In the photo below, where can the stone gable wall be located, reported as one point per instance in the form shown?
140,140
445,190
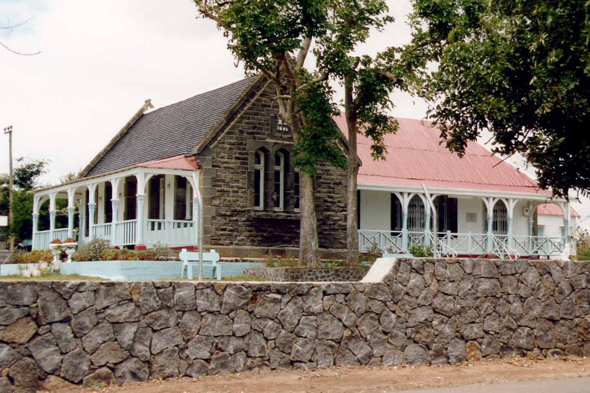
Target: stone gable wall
424,312
230,220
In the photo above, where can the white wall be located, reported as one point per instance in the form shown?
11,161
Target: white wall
472,205
553,224
375,210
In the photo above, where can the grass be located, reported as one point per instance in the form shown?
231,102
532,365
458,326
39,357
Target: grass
52,277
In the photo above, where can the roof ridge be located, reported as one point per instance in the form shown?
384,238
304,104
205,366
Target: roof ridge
201,94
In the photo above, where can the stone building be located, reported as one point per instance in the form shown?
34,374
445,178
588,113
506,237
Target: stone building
229,146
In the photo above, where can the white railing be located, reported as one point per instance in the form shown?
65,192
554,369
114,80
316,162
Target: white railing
449,244
102,231
42,240
61,234
388,241
126,233
169,232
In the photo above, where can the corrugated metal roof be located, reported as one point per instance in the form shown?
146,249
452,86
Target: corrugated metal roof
552,209
415,156
171,130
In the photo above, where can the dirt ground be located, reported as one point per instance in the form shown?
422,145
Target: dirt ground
364,380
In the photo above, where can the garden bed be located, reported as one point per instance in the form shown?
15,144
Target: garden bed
303,274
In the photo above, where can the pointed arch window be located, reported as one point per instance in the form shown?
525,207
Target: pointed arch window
278,195
259,180
500,223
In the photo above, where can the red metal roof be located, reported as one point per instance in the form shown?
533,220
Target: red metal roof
176,162
552,209
415,156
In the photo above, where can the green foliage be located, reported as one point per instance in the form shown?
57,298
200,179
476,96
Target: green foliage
582,239
91,251
519,68
34,256
26,176
420,250
100,250
319,135
369,257
283,260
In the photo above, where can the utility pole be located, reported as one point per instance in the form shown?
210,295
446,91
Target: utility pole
8,130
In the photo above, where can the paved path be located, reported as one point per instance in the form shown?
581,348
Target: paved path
574,385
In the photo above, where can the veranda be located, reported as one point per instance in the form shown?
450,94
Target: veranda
145,205
457,224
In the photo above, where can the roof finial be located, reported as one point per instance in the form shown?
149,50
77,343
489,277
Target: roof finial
148,104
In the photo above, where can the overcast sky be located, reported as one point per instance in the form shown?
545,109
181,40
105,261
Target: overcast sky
100,60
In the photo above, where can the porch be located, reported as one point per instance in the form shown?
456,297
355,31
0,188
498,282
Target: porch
458,224
153,203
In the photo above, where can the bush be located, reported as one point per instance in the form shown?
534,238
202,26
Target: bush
279,261
582,239
420,250
34,256
91,251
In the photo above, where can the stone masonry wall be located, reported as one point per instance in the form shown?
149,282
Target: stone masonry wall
424,312
289,274
231,223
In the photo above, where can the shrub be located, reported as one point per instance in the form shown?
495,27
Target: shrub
582,239
420,250
163,253
34,256
273,260
91,251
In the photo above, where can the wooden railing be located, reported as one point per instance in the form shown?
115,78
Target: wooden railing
169,232
125,233
447,244
102,231
42,240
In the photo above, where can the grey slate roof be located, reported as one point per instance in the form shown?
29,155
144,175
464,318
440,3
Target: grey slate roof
171,130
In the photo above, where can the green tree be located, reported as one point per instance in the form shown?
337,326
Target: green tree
518,68
274,38
26,175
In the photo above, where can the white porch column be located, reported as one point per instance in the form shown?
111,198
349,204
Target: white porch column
530,219
115,213
91,209
565,207
36,206
510,203
490,203
82,218
405,200
71,211
52,213
194,181
140,198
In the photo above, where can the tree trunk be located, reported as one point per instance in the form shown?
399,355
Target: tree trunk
352,251
352,255
308,241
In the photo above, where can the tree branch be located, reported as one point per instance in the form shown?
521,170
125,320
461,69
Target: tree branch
324,76
301,56
18,53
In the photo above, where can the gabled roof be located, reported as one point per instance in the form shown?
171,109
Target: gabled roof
552,209
169,131
415,156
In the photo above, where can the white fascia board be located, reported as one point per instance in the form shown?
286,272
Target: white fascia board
460,192
109,177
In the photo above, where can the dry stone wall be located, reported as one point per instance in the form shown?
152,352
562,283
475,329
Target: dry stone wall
424,312
299,274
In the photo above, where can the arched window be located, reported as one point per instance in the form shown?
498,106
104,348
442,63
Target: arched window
416,215
259,181
500,223
278,195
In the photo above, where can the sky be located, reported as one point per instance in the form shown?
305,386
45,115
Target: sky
100,60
